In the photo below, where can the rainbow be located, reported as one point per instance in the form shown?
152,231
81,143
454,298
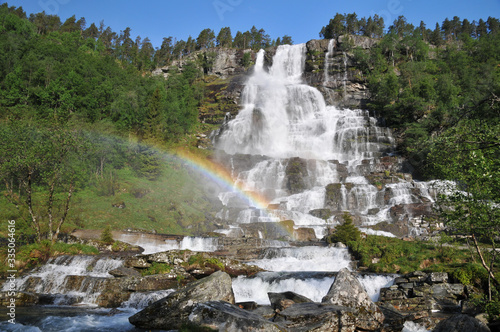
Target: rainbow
220,175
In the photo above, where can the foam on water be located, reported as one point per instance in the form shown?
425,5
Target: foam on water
304,259
311,286
153,245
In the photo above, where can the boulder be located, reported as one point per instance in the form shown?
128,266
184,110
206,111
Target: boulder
317,317
347,291
224,316
124,272
281,301
461,323
171,312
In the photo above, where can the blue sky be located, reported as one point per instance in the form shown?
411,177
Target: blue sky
300,19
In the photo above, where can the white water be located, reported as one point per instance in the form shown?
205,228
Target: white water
331,46
153,245
70,320
304,259
140,300
52,278
309,285
281,118
413,327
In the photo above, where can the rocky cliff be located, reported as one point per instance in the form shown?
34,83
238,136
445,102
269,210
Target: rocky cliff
331,67
226,70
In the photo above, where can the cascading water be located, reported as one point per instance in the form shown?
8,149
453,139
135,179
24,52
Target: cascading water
307,149
71,279
152,244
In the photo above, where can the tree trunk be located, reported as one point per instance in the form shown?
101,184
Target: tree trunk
29,202
483,262
49,208
65,214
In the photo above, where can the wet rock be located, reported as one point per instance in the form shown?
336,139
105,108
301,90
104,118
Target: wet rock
224,316
295,172
304,234
170,312
281,301
333,196
317,317
22,299
124,272
347,291
461,323
321,213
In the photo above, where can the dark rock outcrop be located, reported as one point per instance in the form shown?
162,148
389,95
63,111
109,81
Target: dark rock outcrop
124,272
419,291
224,316
347,291
461,323
317,317
281,301
170,312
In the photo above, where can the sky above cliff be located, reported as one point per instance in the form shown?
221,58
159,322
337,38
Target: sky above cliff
302,20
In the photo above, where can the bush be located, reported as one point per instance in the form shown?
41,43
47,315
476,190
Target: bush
346,232
157,268
106,236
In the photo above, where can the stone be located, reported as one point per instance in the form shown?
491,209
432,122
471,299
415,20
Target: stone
281,301
22,299
171,312
461,323
295,172
347,291
317,317
304,234
124,272
224,316
137,262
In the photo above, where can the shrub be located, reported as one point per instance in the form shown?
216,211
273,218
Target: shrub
157,268
346,232
106,236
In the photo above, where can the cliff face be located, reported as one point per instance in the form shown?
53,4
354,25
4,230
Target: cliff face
221,62
331,67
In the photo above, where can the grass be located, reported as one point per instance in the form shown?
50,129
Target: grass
32,255
176,203
391,255
170,204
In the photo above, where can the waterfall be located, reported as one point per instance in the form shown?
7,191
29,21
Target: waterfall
70,278
311,285
331,46
153,244
304,259
283,119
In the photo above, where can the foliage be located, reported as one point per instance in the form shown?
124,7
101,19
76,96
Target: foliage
346,232
202,261
157,268
32,255
471,274
392,255
106,236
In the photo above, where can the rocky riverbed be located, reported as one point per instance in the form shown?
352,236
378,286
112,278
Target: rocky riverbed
204,289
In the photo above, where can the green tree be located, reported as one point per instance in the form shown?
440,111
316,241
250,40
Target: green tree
335,28
224,38
43,164
468,155
205,39
345,232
